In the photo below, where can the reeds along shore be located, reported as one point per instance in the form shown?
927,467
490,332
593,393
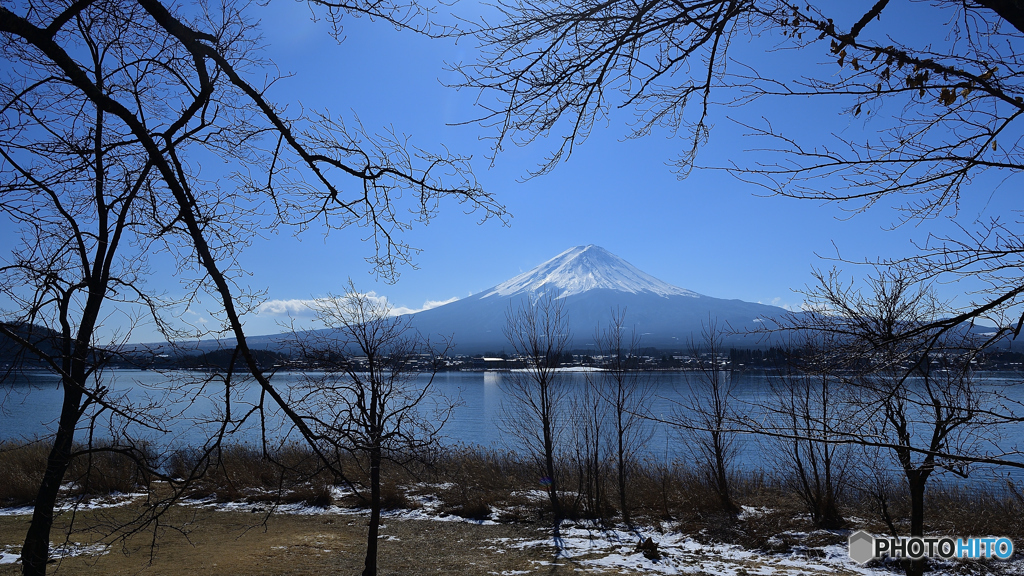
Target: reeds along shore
488,484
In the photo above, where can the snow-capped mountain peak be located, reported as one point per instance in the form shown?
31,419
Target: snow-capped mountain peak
584,268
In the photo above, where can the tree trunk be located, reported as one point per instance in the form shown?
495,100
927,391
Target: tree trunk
917,484
549,465
35,551
622,479
372,533
722,476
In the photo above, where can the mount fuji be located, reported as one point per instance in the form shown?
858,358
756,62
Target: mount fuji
592,281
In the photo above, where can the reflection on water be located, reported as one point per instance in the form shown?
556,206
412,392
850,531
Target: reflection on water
185,408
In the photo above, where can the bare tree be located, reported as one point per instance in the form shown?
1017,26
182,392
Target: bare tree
627,391
808,406
107,106
707,416
909,389
371,400
936,106
536,396
590,436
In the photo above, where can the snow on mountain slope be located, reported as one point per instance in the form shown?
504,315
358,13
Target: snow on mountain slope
584,268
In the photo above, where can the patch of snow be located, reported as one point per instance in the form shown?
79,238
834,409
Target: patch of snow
65,505
435,486
72,549
428,511
432,515
614,550
752,512
12,554
530,494
16,511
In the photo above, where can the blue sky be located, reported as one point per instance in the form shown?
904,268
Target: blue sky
710,233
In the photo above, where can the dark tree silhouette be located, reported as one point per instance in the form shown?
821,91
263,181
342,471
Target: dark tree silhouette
109,109
708,413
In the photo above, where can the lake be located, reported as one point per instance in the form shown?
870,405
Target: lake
184,408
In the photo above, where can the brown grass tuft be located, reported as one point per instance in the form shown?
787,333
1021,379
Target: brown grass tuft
21,471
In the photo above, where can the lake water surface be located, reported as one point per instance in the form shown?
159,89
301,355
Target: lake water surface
186,410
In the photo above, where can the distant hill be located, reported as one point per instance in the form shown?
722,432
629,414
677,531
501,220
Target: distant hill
592,281
44,339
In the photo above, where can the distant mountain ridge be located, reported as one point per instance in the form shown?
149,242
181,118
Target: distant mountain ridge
592,281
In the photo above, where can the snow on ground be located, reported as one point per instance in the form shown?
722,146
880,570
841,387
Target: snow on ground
611,550
564,369
680,554
11,554
68,504
592,547
428,509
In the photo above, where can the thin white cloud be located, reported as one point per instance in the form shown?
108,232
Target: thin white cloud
435,303
286,308
197,317
777,301
303,308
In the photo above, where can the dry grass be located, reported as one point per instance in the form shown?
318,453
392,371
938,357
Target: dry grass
470,483
21,471
246,473
104,472
97,472
479,482
954,510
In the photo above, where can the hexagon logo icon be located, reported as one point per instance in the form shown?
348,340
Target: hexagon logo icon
862,547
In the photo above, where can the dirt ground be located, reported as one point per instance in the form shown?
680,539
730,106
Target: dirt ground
239,543
242,540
